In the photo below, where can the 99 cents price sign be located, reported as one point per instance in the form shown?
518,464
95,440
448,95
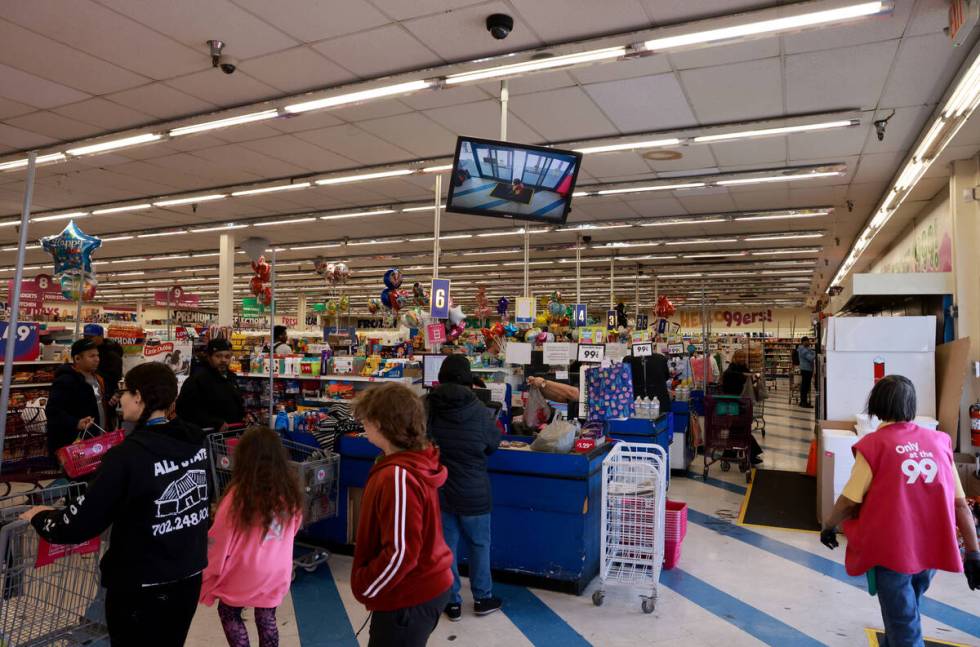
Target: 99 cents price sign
440,299
591,353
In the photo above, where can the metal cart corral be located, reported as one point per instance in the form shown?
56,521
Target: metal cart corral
49,594
634,486
318,473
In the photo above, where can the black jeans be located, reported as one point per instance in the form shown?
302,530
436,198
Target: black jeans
408,627
806,378
155,615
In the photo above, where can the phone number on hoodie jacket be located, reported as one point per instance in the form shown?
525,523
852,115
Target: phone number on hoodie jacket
179,523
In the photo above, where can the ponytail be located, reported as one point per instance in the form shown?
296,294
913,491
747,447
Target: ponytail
157,386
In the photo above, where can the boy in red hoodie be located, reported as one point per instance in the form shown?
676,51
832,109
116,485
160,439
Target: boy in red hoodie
402,569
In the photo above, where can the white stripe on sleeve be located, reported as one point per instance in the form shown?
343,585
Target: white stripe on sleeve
399,534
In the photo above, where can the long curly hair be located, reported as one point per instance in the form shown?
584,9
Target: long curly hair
264,485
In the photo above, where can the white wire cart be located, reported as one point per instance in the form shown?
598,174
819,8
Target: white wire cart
49,594
318,476
634,494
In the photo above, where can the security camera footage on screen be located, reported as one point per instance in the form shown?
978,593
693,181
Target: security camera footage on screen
506,180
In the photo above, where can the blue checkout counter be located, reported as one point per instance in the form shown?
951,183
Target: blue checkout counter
546,511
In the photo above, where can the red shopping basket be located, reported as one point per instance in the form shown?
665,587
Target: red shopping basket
675,527
83,457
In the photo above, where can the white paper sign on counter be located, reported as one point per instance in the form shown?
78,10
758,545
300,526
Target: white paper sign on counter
518,353
558,353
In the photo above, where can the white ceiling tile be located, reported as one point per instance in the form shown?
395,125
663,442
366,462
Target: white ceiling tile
54,125
161,101
445,97
608,165
222,89
20,139
726,93
401,10
580,118
461,34
877,168
245,133
929,17
10,108
35,91
238,157
841,142
693,157
356,144
191,143
482,119
850,77
370,110
643,104
562,20
217,174
83,24
717,202
614,71
105,114
415,133
313,20
302,153
900,133
767,150
801,196
539,82
372,53
749,198
666,12
924,68
866,30
654,207
296,70
726,54
305,121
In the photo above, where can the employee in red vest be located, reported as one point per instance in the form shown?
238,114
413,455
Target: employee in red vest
901,509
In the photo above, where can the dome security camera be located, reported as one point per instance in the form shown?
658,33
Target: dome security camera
228,64
500,25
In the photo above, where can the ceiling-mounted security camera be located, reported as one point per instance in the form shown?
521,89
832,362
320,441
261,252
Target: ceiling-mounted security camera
228,64
881,125
500,25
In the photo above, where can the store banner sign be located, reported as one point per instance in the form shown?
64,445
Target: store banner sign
27,341
581,315
525,312
642,322
36,291
251,307
439,299
435,334
611,320
176,298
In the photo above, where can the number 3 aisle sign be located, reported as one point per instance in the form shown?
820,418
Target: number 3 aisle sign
440,299
26,342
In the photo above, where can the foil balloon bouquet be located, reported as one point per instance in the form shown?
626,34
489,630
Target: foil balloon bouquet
71,251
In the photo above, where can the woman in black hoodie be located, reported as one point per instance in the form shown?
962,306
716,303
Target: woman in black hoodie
152,489
466,433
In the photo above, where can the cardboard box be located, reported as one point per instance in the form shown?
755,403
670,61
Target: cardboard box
835,438
966,466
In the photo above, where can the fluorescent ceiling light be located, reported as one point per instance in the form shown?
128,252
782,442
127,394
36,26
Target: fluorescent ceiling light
438,169
663,187
786,272
786,216
223,123
781,130
775,252
657,143
760,27
272,189
714,254
357,214
364,176
363,95
128,207
290,221
450,237
324,246
200,230
376,242
162,233
701,241
536,65
40,159
192,200
516,232
429,208
114,144
112,238
777,178
965,95
9,223
662,222
589,227
750,239
61,216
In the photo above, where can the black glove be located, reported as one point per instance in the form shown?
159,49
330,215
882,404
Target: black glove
828,537
971,567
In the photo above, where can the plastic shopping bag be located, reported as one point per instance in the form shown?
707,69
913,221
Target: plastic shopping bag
537,412
557,438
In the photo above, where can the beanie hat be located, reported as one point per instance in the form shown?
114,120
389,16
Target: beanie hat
455,369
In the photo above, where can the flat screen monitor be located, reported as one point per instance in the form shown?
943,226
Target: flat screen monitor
430,368
505,180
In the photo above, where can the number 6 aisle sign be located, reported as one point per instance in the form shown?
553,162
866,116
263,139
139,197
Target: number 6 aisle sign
27,344
440,299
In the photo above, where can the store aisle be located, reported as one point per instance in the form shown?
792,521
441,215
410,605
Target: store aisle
734,586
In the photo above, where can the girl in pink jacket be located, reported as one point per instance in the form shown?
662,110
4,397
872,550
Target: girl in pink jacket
250,546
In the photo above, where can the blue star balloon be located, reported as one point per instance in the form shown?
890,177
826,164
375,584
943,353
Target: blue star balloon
71,249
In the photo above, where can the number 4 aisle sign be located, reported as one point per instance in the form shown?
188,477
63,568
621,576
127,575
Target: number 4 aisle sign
27,345
581,315
440,299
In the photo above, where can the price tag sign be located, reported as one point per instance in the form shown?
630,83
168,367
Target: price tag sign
435,334
343,365
644,349
439,308
591,353
581,315
27,341
675,349
525,312
611,319
642,322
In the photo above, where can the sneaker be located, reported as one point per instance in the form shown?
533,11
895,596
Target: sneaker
454,611
487,605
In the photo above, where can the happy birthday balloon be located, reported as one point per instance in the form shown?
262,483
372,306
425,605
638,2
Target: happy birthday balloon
71,249
75,287
393,278
341,272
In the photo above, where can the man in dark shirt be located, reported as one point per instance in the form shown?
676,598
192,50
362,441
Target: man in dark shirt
110,357
77,399
210,398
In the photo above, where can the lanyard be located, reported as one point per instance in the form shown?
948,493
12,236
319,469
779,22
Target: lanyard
156,421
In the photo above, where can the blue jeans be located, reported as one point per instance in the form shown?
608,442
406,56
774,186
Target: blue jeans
476,531
899,595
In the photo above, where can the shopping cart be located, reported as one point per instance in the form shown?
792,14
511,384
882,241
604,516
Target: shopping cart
318,476
49,594
728,433
25,450
634,485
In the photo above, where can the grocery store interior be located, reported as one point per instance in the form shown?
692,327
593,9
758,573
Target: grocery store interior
571,189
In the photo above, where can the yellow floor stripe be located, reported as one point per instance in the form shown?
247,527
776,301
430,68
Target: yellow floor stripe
873,640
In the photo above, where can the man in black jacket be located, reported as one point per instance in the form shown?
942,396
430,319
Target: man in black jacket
210,398
110,356
466,433
77,398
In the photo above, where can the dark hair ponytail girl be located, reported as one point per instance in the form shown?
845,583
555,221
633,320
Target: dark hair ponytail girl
157,386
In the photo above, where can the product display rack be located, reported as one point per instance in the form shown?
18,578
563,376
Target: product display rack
779,357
